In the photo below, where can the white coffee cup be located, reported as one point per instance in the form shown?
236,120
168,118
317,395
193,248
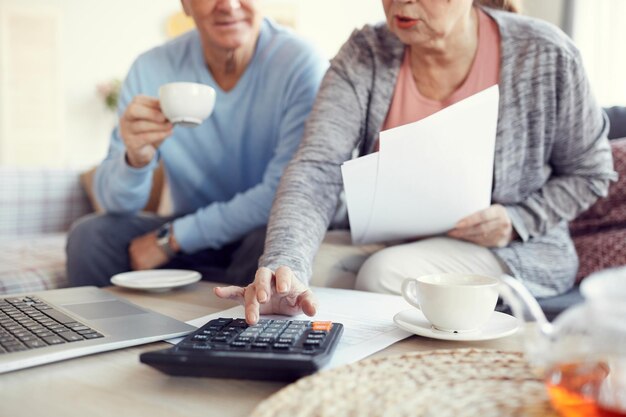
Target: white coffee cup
186,104
453,302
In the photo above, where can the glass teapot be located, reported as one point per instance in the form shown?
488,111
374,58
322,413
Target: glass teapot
582,354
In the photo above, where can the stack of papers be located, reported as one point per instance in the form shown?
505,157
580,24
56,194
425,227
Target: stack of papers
427,175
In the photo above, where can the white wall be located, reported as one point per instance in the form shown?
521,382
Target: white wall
550,10
99,39
330,22
600,34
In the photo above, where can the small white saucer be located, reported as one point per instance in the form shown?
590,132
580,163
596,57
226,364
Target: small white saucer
499,325
156,280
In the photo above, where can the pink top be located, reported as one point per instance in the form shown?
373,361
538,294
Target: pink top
409,105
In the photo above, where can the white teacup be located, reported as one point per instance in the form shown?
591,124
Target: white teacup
453,302
186,104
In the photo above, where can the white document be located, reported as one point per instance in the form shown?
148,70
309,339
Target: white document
428,175
367,319
359,181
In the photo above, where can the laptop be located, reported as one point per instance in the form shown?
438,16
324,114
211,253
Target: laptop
54,325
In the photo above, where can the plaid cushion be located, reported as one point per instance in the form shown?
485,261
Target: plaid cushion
32,263
598,251
40,200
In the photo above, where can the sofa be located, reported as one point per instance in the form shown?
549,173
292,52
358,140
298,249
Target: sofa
37,208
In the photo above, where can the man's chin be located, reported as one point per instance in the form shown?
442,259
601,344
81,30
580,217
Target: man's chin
235,40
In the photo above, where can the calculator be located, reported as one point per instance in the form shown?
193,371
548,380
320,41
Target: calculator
278,350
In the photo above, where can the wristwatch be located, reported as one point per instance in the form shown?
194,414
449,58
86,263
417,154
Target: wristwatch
164,235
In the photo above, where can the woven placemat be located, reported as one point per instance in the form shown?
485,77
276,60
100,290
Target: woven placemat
460,382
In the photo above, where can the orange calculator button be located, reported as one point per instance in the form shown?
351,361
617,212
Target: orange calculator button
322,325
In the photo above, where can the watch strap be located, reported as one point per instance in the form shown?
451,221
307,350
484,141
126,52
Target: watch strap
164,235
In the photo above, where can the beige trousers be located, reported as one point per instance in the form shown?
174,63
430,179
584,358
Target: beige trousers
380,268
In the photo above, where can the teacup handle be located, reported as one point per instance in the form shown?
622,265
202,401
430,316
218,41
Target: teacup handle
409,292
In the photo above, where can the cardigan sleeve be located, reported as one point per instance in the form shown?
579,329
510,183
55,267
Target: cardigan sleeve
308,194
580,158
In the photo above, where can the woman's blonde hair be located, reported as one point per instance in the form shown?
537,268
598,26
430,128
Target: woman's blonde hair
506,5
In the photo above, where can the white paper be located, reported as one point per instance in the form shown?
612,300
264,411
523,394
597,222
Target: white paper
367,319
359,181
429,174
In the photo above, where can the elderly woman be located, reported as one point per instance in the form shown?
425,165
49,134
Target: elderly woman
552,158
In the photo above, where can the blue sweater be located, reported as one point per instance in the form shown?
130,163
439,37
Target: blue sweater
224,173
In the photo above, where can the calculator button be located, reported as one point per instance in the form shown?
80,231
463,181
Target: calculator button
322,325
238,345
288,340
265,339
292,331
202,347
239,323
281,346
195,346
311,342
260,345
244,339
316,336
254,329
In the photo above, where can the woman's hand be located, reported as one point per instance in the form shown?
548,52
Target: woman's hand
490,228
272,293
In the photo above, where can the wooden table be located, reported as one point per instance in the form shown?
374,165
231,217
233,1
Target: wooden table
117,384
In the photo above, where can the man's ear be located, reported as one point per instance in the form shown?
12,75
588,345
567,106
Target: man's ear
186,8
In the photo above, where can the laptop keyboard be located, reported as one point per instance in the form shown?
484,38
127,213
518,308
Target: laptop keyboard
30,323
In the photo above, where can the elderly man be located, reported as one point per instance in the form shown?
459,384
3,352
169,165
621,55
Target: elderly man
222,174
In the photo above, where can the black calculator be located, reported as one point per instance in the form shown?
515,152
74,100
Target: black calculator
279,350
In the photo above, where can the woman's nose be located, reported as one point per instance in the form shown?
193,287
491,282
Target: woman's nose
230,4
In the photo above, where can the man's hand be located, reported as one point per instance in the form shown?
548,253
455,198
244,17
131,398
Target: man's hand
144,253
143,128
490,228
272,293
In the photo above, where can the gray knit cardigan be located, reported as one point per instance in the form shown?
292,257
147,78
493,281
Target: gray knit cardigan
552,157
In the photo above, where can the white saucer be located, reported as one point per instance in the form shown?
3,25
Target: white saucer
499,325
157,280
